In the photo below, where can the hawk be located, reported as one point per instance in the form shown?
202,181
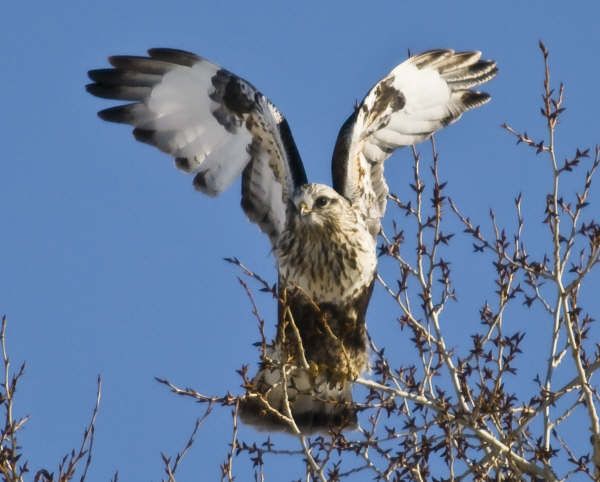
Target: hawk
218,126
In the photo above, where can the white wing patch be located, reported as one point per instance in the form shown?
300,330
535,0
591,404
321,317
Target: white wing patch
181,113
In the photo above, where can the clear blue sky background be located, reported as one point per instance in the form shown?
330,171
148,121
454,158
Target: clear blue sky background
110,263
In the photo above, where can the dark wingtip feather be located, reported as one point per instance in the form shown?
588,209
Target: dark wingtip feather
175,56
98,90
183,163
471,99
119,60
144,135
122,114
486,69
119,77
201,184
98,75
118,92
430,57
461,70
471,75
459,60
140,64
93,74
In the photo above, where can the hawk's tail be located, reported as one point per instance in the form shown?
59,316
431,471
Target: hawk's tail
315,405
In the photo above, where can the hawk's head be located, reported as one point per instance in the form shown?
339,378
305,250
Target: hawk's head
319,205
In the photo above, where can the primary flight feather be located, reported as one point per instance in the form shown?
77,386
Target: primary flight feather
218,126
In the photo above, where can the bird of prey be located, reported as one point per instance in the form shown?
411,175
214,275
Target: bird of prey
218,126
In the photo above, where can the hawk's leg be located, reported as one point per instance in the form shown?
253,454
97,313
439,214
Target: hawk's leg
329,339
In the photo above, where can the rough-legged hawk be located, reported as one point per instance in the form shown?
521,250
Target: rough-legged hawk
218,126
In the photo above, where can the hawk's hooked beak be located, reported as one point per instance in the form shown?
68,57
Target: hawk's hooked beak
303,208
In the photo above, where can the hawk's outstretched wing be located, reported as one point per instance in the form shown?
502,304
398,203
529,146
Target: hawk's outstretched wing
214,123
418,97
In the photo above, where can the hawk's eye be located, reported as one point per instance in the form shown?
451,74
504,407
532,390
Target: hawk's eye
321,201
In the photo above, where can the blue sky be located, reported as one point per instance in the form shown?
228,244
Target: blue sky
112,264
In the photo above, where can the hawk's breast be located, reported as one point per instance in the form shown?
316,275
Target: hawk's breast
332,262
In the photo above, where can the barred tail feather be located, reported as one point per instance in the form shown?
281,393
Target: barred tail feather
316,406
